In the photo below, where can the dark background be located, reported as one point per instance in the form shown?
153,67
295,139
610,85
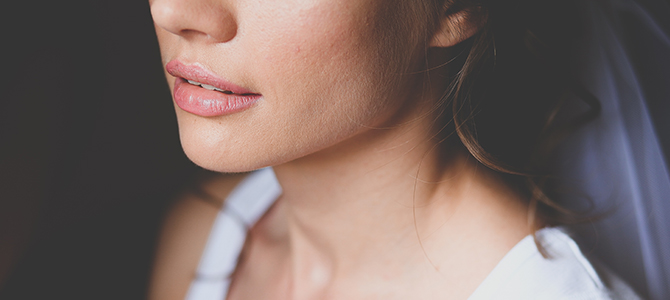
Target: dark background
89,151
90,155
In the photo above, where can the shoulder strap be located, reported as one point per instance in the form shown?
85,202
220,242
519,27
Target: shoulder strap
242,209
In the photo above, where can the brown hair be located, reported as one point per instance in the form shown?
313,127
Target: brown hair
505,102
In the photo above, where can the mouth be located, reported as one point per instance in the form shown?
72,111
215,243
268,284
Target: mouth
197,75
213,88
204,93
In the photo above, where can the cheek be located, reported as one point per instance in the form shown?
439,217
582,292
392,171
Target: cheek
323,64
324,76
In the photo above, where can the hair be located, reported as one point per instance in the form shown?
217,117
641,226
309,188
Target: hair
506,99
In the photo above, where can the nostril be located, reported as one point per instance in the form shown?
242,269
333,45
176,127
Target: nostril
224,29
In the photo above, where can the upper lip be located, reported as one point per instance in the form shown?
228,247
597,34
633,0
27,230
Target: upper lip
197,72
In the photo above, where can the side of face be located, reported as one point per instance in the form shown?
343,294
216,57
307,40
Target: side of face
327,71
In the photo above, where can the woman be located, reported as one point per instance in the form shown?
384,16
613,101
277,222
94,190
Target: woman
408,138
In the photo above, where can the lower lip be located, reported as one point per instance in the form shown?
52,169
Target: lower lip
206,103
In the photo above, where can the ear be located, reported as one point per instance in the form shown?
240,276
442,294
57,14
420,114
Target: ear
455,27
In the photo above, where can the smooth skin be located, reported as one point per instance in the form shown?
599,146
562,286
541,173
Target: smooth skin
372,208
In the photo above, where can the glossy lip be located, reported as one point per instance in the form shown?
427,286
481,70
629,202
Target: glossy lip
203,102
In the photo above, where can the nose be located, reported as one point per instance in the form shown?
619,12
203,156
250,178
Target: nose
211,20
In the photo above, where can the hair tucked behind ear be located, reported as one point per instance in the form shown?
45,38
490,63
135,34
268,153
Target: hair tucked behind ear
507,97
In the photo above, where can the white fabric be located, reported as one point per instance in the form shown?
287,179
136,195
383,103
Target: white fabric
524,274
249,200
616,161
243,207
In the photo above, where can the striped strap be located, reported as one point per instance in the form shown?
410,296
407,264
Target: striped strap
243,207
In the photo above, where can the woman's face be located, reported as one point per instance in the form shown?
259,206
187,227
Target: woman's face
306,74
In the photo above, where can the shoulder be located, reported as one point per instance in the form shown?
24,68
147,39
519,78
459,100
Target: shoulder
524,273
184,234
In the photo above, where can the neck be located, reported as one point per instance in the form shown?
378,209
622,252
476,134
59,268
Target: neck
386,202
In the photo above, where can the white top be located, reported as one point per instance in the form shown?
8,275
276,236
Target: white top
566,274
522,274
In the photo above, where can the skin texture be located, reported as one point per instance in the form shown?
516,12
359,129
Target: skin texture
372,208
322,67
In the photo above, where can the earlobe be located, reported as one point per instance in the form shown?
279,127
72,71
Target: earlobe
458,27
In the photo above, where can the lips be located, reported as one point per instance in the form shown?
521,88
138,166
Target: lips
201,92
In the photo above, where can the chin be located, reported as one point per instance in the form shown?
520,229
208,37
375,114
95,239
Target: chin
230,155
212,155
233,164
224,160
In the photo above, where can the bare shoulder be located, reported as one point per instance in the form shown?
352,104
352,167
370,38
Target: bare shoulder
184,234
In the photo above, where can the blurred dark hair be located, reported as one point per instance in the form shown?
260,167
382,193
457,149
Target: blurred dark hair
506,101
